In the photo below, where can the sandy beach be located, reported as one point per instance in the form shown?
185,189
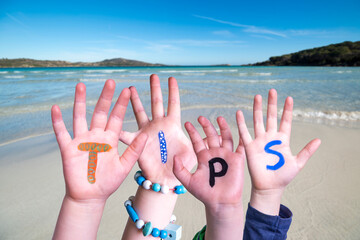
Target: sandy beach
324,198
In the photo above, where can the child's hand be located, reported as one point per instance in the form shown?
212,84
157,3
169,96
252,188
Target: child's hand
94,171
151,160
271,164
218,179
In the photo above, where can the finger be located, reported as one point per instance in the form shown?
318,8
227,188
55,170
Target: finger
286,119
133,152
118,113
196,140
174,99
181,172
244,134
210,132
271,120
79,111
258,116
206,141
62,135
305,154
102,107
139,111
157,108
127,137
240,148
226,136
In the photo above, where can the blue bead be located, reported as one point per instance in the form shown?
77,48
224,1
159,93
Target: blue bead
163,234
140,180
155,232
132,214
156,187
180,189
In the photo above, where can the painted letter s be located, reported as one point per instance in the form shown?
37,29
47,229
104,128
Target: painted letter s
281,161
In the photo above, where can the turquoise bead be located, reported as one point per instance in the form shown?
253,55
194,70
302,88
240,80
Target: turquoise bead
163,234
156,187
155,232
140,180
147,229
180,189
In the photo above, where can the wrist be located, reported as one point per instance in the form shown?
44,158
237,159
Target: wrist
162,179
223,212
224,218
79,219
154,206
266,201
85,204
150,206
149,185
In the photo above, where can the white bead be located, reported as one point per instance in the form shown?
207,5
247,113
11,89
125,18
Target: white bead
137,174
139,224
147,184
164,189
132,198
173,218
127,202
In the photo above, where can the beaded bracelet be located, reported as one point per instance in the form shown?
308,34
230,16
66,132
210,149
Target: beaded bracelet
147,184
147,228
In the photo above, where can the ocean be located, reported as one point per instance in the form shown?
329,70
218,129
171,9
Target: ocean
322,95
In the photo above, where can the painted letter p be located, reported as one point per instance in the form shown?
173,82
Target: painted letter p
213,174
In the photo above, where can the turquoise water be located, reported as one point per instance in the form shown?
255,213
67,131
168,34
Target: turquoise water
323,95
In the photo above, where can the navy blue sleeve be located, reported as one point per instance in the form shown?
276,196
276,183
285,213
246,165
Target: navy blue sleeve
266,227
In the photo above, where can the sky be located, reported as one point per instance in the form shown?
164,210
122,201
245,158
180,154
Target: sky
173,32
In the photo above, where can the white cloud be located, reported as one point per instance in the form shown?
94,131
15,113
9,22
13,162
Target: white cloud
262,36
223,33
17,20
204,43
160,47
247,28
306,32
151,45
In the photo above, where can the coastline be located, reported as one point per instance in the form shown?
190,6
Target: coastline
323,197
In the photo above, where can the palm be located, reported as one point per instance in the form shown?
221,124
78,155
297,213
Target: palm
198,183
76,167
110,169
177,143
233,178
258,159
262,178
150,160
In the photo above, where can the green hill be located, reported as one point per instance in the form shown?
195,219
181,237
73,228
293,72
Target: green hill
31,63
341,54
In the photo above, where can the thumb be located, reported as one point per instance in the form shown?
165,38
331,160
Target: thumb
305,154
182,174
127,137
133,152
62,135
